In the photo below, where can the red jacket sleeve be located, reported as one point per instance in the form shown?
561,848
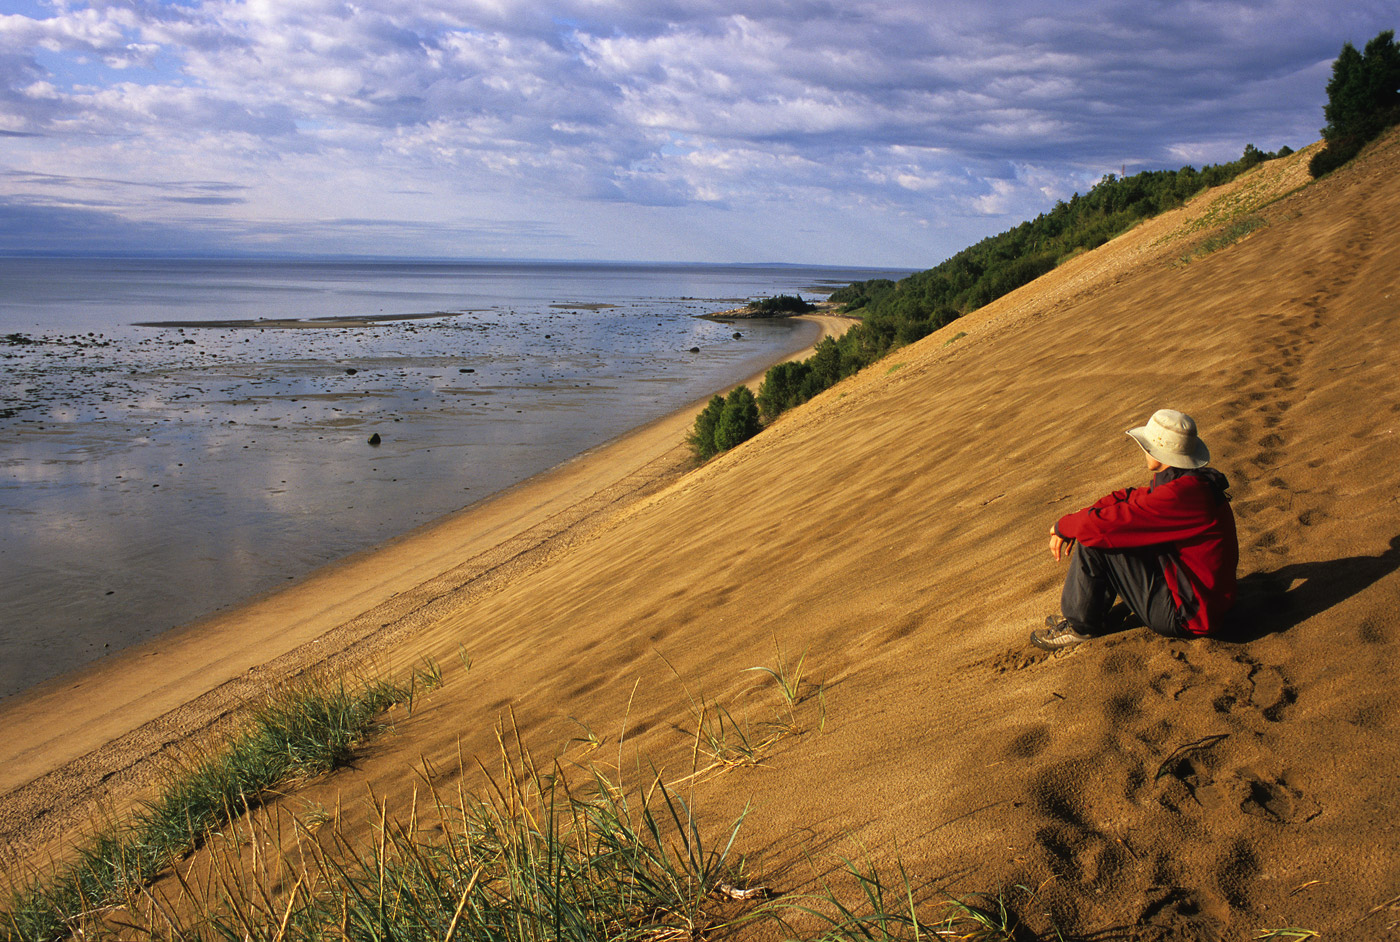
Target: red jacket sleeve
1177,510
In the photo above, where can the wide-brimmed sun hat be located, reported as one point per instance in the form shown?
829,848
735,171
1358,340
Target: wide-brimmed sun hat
1170,437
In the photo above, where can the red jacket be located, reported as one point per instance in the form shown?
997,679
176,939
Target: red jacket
1187,515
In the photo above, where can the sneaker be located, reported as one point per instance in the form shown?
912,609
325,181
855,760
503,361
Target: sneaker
1056,635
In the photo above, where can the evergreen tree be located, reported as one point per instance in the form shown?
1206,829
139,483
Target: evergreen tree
1347,97
1363,99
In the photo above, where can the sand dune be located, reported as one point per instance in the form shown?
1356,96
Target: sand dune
894,528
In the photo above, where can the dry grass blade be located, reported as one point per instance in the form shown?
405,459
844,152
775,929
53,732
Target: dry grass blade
462,904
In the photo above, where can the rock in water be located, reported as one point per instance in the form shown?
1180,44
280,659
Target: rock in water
374,439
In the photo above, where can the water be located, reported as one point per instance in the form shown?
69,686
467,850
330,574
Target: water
151,475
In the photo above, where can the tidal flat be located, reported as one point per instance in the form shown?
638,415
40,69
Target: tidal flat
156,472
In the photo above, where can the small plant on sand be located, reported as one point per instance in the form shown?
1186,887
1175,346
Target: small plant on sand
427,677
793,686
886,911
587,737
726,742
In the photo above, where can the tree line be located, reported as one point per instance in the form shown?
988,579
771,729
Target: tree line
1363,100
894,314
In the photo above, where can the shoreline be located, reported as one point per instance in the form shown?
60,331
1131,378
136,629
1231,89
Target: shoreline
86,735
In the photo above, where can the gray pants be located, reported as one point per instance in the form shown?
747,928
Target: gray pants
1098,576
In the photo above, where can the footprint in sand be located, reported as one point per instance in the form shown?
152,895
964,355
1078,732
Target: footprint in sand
1276,800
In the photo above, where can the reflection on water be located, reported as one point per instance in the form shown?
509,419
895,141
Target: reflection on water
151,476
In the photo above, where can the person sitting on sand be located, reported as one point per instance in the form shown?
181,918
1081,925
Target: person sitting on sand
1168,550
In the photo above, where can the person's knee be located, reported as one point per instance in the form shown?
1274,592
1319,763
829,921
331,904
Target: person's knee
1168,624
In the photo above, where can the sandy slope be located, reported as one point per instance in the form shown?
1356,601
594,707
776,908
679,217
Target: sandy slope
895,528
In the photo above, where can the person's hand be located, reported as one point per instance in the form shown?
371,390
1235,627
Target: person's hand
1059,546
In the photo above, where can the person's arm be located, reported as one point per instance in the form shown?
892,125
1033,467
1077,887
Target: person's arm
1060,543
1175,511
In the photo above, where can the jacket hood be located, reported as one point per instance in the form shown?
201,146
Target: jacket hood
1218,482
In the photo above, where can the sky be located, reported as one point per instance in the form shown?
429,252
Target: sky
889,133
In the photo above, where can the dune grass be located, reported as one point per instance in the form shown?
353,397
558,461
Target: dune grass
298,733
1226,237
888,910
533,857
540,852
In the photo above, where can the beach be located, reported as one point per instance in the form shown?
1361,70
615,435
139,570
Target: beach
891,534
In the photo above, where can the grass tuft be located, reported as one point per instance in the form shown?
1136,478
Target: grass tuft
296,734
1229,236
794,687
885,910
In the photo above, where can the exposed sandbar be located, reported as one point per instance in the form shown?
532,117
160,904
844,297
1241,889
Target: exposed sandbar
262,323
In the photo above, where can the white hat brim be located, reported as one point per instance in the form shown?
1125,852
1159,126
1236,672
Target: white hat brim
1199,458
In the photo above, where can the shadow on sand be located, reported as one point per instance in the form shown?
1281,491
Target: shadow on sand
1276,600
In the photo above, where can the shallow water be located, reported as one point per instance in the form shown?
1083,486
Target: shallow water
150,476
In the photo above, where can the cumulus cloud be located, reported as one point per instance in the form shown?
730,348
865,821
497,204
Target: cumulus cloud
557,116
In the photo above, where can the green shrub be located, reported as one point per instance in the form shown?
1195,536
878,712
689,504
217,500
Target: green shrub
724,423
782,388
738,422
702,436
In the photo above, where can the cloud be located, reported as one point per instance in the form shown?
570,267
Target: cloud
564,114
205,200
